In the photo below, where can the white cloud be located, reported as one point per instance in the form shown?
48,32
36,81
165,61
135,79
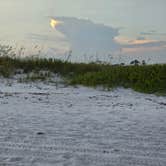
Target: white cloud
87,37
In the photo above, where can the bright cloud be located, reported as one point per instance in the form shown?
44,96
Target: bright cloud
87,37
54,23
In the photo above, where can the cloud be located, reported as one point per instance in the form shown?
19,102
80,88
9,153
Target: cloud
139,42
146,43
54,44
126,42
141,38
88,37
40,37
142,48
152,33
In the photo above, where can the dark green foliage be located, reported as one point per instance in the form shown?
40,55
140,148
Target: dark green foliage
6,69
144,78
149,79
56,66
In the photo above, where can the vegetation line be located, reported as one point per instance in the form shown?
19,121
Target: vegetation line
144,78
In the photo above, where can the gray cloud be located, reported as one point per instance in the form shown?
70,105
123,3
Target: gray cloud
141,38
88,37
40,37
153,33
147,45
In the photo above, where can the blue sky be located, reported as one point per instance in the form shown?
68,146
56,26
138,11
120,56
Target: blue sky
134,19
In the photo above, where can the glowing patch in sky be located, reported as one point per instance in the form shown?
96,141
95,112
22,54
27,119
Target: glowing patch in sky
123,40
54,23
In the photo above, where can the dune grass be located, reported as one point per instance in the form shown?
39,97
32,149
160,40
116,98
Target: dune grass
148,79
144,78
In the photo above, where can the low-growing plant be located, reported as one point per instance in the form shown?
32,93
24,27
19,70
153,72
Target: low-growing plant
144,78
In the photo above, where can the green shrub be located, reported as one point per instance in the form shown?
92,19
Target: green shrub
145,78
149,79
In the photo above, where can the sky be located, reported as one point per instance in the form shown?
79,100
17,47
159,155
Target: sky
137,28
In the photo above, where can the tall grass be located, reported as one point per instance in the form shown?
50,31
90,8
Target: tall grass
149,79
144,78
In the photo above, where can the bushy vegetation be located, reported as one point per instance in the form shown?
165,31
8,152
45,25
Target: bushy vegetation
53,65
144,78
149,79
